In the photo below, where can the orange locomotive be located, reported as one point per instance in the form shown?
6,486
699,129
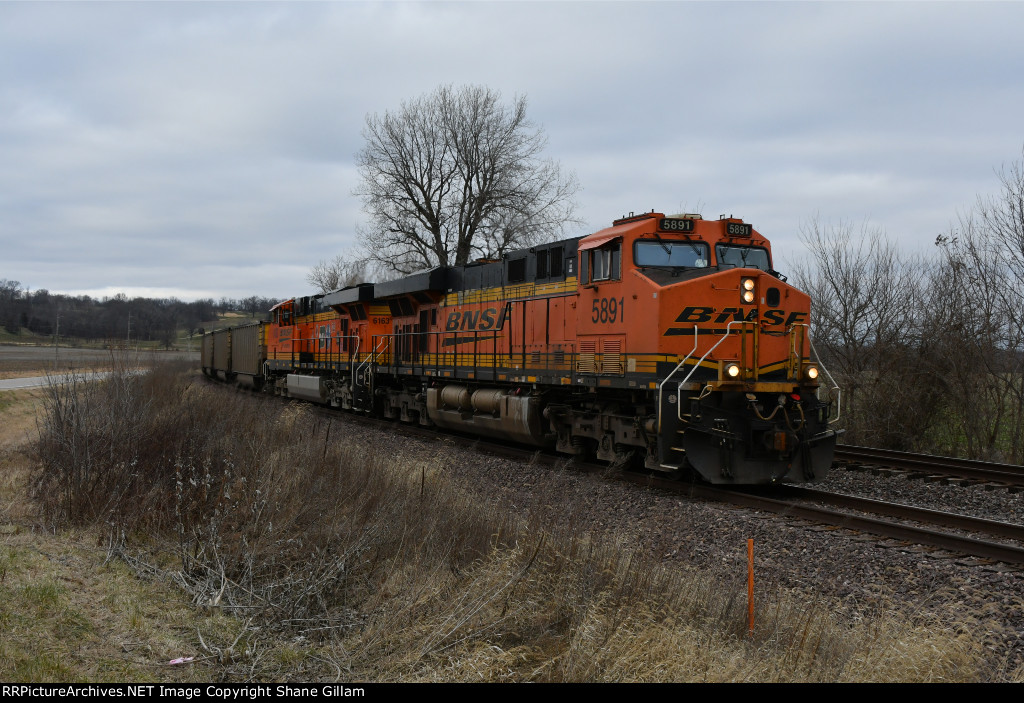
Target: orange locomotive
670,341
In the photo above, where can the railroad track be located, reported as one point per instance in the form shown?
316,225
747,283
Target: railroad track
989,544
878,518
882,519
927,465
793,501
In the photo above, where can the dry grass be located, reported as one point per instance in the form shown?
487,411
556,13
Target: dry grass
67,612
340,561
68,615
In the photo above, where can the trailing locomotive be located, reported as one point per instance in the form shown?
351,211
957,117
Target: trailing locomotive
670,341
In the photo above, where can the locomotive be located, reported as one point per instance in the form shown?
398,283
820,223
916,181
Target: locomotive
667,341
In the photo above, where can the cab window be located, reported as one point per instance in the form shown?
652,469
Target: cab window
604,263
742,257
517,270
673,254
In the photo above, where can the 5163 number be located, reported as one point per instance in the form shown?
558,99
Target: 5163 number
608,310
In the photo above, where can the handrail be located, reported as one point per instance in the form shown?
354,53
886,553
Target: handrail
355,353
329,354
442,357
728,331
370,358
678,366
835,386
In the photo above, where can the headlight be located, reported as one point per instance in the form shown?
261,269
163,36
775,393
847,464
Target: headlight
747,287
732,370
811,372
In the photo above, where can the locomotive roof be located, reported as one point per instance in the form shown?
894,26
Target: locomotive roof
434,279
350,294
492,274
283,302
448,279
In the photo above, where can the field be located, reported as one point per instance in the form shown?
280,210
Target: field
81,350
152,518
17,361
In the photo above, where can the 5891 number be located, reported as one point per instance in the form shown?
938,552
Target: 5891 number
608,310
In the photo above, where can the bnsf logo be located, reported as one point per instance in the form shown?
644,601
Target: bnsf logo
487,319
694,314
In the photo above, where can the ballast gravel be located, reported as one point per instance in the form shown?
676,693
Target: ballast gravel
863,571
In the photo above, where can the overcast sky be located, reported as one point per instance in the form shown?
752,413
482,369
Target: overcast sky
207,149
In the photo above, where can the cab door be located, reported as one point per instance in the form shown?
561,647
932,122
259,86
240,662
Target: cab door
600,319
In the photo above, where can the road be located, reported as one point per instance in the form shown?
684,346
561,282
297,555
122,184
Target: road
13,384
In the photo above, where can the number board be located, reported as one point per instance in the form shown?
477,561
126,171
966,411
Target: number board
735,229
672,224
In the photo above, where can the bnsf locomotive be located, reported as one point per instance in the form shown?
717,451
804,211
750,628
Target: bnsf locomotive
668,341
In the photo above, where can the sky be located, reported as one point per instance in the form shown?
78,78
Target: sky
208,149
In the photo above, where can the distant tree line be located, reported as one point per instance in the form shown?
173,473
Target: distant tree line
118,318
928,349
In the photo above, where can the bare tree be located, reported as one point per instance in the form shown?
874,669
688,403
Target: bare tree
1003,214
983,323
969,323
456,175
929,352
864,317
337,273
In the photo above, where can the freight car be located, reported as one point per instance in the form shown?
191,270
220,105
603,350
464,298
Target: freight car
669,341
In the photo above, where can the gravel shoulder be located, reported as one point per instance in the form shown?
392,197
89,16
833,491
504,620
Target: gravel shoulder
865,574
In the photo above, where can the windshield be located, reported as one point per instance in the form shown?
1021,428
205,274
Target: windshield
675,253
743,257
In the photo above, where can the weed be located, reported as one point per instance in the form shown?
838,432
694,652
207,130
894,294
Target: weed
334,558
43,596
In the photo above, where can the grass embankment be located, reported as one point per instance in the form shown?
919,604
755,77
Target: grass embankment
68,613
335,559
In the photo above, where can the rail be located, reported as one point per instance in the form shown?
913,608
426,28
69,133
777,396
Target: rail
795,362
352,385
933,465
411,348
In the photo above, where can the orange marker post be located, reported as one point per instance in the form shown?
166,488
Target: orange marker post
750,586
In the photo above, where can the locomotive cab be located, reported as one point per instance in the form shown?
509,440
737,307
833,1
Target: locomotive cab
720,339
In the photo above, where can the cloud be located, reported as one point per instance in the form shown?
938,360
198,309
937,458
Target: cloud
209,147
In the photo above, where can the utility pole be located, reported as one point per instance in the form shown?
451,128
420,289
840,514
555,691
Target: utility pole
56,343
